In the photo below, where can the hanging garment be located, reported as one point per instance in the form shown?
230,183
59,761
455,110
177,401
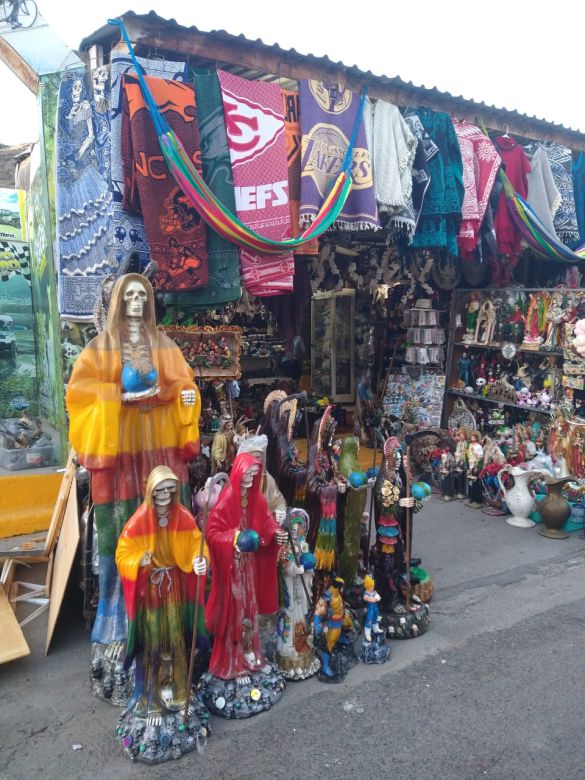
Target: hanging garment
543,194
127,234
440,217
82,195
561,164
579,192
481,163
392,148
328,115
517,167
257,145
174,229
292,128
421,176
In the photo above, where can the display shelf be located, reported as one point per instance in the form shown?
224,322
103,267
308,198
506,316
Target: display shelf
527,350
475,397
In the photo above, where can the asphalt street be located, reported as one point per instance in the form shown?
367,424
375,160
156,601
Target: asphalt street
495,689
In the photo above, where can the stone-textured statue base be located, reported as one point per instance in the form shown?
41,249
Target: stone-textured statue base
300,668
108,679
408,625
156,739
342,660
375,652
244,696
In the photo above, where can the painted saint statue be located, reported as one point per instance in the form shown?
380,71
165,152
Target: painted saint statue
158,557
132,405
243,538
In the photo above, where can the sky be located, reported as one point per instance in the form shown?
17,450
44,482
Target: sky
510,54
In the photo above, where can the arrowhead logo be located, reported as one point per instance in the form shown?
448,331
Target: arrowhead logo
251,128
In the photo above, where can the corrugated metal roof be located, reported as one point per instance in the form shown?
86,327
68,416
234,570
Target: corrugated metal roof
109,34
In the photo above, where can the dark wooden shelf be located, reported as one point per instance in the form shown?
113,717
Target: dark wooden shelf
539,351
475,397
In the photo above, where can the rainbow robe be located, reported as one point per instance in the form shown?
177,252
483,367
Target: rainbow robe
120,444
160,602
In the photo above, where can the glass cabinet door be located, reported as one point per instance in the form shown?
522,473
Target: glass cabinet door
321,339
343,346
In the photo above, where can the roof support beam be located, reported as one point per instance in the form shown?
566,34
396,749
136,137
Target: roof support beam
17,65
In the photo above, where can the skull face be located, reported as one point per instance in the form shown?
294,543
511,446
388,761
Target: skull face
76,90
135,297
167,697
70,351
100,76
162,495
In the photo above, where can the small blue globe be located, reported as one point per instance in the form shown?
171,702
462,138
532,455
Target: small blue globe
418,491
248,540
356,479
308,560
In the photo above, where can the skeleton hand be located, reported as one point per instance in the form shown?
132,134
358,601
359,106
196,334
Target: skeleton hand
300,569
341,487
188,397
281,537
280,515
406,503
146,559
154,720
200,566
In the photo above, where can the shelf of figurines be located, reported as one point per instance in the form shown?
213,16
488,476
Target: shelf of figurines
499,402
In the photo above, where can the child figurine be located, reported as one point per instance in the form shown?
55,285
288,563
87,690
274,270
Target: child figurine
446,475
374,651
474,462
460,466
334,633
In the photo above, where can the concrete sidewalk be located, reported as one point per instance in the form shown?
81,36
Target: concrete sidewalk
492,584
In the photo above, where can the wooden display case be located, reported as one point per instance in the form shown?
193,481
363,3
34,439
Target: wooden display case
332,345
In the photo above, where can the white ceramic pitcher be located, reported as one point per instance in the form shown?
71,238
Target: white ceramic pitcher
518,498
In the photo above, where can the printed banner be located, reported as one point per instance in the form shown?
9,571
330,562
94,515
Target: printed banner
12,215
328,115
174,229
256,140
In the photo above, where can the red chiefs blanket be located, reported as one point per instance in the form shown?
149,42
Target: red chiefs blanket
257,145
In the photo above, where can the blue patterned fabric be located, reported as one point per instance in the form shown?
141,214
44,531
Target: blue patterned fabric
440,217
83,196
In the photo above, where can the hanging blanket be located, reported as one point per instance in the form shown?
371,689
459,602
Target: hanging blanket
579,191
481,163
565,220
223,260
421,176
543,195
440,217
127,230
82,195
392,148
517,167
256,140
292,128
174,230
328,116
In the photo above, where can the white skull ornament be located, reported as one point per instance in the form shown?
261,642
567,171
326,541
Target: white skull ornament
135,297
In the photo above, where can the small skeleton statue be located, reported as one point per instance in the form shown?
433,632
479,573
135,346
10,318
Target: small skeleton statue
446,476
